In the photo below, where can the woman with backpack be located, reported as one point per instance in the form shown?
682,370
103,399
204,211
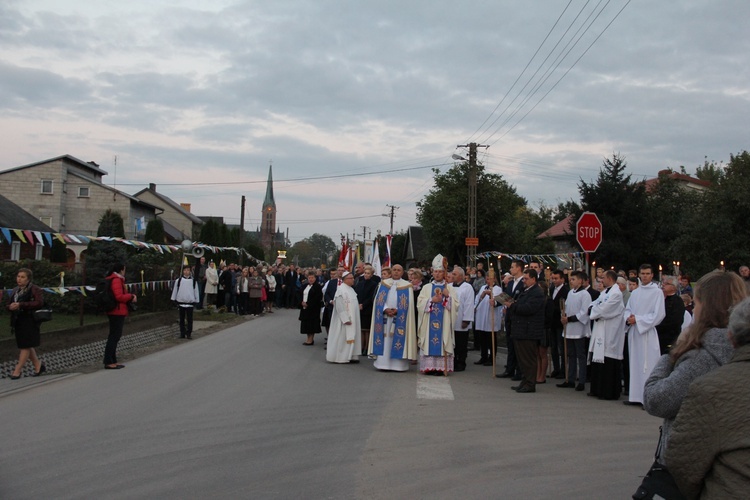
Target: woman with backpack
116,279
24,300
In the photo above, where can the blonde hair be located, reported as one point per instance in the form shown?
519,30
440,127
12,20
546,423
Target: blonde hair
717,292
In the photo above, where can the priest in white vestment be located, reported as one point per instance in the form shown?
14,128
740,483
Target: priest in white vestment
393,336
607,340
644,311
344,335
437,309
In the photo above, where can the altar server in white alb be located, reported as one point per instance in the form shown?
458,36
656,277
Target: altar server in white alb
344,334
393,336
464,317
607,340
437,305
576,330
485,306
644,311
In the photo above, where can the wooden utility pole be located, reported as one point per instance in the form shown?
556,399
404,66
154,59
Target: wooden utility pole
393,209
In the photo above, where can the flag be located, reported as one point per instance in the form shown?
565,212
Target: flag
376,260
344,255
388,250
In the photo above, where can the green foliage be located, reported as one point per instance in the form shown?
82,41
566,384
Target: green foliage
111,224
46,275
716,221
710,172
58,253
621,206
155,232
443,214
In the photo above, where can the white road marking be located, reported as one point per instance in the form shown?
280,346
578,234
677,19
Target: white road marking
434,387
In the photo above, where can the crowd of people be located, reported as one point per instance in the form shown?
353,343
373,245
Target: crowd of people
663,344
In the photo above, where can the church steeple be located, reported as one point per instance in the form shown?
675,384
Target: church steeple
269,201
268,214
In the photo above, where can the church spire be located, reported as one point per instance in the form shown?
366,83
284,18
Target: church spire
269,201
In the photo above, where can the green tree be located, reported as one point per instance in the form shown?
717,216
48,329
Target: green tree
155,231
443,214
709,172
621,206
716,229
101,255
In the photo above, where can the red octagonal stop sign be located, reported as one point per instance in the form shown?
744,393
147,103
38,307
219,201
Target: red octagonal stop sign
589,232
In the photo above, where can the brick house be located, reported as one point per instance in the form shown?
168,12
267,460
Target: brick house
67,194
179,223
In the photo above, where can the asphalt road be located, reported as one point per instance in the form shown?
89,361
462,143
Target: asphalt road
250,412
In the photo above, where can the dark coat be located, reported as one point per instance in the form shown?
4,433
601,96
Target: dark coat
527,314
22,321
366,290
556,306
671,326
333,284
514,294
310,316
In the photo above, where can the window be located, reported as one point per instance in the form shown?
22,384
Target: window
46,220
39,251
62,220
46,187
83,192
15,250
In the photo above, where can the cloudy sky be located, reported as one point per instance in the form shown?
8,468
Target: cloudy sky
199,97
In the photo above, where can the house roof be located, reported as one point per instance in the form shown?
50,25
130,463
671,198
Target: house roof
133,199
14,217
559,230
87,165
682,178
171,203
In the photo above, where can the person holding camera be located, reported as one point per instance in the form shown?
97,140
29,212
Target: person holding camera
25,298
116,278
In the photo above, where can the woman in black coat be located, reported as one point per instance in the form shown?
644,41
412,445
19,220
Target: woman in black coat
309,314
24,300
366,288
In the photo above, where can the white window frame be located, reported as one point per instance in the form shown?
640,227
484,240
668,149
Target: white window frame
15,250
88,192
51,186
46,219
39,255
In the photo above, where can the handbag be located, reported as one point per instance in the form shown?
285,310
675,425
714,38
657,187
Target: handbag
658,482
42,315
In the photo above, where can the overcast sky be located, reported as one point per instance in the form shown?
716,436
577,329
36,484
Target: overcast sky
188,92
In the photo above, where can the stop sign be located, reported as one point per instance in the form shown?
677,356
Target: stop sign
589,232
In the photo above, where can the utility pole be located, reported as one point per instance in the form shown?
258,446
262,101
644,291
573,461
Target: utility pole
393,209
242,229
471,232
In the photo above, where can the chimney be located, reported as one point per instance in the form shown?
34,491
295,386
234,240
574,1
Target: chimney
152,186
186,206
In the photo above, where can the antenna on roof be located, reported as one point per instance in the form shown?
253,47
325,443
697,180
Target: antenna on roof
114,194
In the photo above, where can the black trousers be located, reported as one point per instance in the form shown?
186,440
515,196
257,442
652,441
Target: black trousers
557,350
485,345
511,364
186,322
461,350
116,324
527,352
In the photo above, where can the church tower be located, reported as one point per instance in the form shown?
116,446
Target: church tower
268,215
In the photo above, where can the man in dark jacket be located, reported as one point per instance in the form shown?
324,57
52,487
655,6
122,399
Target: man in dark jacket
527,329
558,292
671,326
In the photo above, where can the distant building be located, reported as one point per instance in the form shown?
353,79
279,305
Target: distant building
179,223
14,217
267,233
